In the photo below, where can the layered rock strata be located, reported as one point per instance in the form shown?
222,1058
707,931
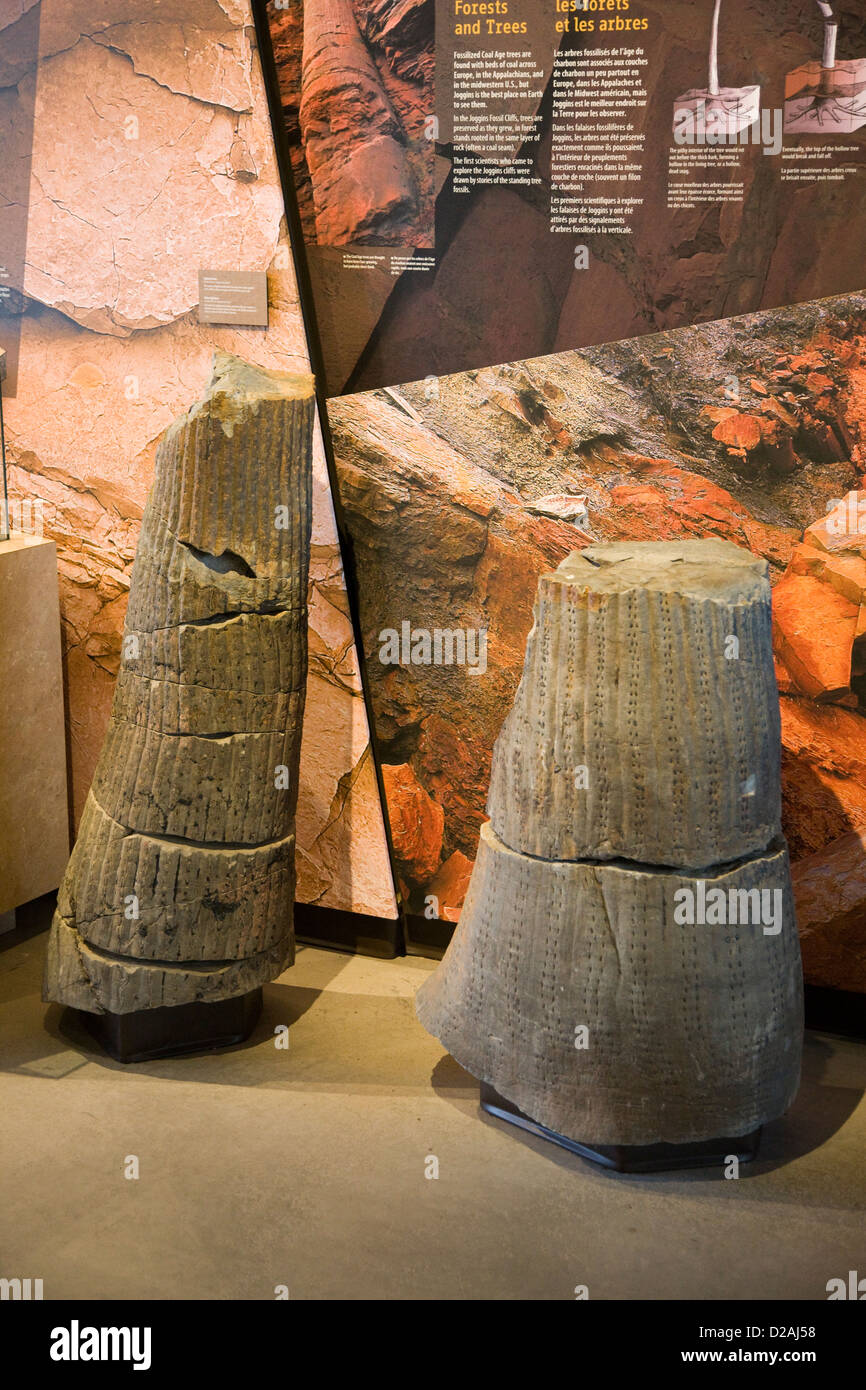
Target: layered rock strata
181,885
622,973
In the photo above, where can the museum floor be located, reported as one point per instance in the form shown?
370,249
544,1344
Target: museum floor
306,1168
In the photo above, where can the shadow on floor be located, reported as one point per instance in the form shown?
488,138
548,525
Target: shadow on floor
342,1040
823,1106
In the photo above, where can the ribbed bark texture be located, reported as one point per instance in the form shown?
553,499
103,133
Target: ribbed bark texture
180,887
626,968
646,725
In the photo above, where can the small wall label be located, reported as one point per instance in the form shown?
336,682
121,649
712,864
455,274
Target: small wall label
233,296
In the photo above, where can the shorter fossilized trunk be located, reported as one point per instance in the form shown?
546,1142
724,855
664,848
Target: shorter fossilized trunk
688,1023
646,725
180,887
626,970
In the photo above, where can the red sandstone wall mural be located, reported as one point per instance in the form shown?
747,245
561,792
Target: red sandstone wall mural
459,492
153,157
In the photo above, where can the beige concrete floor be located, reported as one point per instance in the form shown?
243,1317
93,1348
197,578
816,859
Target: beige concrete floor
306,1168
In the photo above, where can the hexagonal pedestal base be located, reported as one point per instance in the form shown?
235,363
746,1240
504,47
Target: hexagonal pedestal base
151,1033
644,1158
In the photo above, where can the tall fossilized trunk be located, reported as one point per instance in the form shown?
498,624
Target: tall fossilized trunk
633,881
363,189
181,885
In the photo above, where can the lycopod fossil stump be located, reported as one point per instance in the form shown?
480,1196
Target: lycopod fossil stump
180,888
689,1027
626,969
646,725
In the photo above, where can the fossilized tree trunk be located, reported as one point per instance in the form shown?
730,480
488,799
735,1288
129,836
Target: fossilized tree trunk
644,735
646,725
362,185
181,885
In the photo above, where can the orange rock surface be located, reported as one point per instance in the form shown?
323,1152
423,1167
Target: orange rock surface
449,885
417,821
823,773
814,628
830,892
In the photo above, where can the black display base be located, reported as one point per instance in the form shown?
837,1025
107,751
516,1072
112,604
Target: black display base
355,932
427,937
836,1011
642,1158
149,1034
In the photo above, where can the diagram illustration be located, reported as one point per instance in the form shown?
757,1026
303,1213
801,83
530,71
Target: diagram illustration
716,113
826,96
